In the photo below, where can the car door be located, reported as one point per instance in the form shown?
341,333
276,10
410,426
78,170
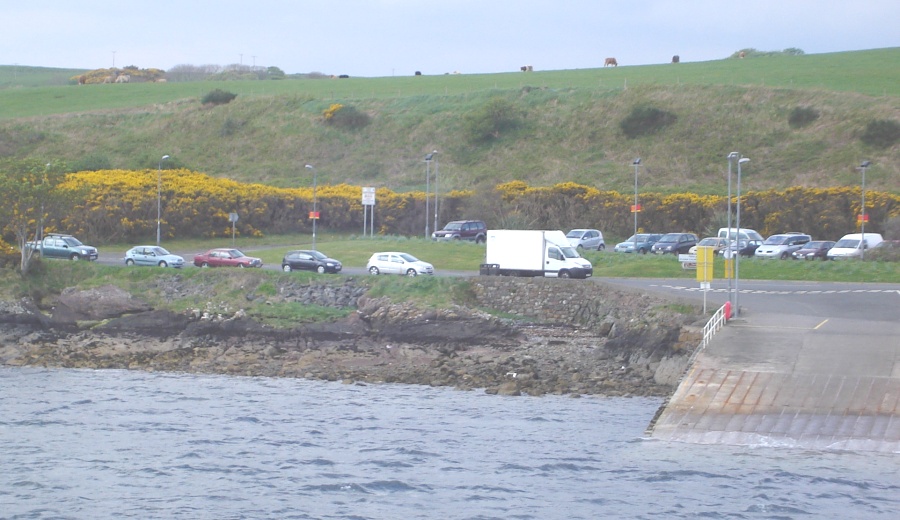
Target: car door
140,256
396,264
305,261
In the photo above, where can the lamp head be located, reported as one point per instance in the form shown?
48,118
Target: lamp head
744,160
637,161
865,164
429,156
164,157
732,155
309,167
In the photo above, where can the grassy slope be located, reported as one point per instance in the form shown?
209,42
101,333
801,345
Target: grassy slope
569,132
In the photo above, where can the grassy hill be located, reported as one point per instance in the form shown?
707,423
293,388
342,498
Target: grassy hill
565,125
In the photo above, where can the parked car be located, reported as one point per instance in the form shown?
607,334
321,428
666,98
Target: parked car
813,250
394,262
675,243
852,245
742,247
225,257
152,255
586,239
309,261
781,245
473,230
57,245
714,242
642,242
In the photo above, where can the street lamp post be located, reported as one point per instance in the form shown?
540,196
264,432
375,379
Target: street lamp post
428,158
737,259
436,166
636,163
862,214
315,214
728,253
159,197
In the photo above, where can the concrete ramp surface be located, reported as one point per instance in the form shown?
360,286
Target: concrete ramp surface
793,380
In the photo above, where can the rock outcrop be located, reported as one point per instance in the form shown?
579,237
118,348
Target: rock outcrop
606,342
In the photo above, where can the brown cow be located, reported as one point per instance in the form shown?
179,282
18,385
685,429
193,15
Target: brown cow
741,55
610,61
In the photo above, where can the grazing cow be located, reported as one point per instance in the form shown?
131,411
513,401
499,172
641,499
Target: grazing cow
343,76
741,55
124,78
418,73
610,61
523,68
82,80
676,59
109,79
160,80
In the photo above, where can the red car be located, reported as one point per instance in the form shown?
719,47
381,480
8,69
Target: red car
225,257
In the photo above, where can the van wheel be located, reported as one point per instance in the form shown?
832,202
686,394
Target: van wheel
564,274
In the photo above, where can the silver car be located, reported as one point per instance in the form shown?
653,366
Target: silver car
152,255
586,239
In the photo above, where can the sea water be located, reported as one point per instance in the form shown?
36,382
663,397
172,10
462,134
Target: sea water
98,444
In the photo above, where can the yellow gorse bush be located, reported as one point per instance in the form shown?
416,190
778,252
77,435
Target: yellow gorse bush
121,206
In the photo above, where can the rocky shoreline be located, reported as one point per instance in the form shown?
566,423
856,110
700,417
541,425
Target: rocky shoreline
608,347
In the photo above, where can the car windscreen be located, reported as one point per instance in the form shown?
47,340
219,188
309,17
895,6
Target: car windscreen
72,242
776,240
670,237
317,255
575,233
847,243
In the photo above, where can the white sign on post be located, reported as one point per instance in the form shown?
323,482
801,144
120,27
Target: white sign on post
368,196
368,202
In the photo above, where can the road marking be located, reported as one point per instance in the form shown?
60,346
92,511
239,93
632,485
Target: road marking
769,291
819,325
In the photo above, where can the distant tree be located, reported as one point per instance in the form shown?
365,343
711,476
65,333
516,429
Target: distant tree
29,191
275,73
793,51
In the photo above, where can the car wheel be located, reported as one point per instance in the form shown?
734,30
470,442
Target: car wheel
643,251
601,247
286,268
479,240
204,264
242,265
75,257
411,272
129,262
784,256
578,247
162,263
320,269
373,270
564,274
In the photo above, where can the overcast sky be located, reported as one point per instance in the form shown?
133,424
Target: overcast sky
397,37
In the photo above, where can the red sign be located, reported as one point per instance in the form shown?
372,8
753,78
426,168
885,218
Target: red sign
314,214
862,218
635,208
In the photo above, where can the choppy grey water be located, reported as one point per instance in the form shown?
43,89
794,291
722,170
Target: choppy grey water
120,444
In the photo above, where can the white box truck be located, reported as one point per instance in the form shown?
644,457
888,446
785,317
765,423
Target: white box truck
510,252
852,245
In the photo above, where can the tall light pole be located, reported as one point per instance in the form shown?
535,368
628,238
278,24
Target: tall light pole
315,214
436,166
428,158
731,157
737,260
159,196
862,215
634,209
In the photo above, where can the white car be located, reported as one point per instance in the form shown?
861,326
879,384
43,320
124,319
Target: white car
152,255
586,239
394,262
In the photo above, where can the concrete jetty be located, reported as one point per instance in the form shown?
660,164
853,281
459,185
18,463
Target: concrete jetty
825,377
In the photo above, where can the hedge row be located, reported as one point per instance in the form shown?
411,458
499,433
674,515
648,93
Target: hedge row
121,206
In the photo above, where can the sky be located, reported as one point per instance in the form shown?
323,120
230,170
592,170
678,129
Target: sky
373,38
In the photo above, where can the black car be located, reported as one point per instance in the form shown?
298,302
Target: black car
309,261
675,243
743,247
813,250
